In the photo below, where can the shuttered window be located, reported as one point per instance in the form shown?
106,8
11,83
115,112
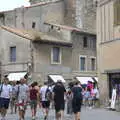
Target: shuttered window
13,54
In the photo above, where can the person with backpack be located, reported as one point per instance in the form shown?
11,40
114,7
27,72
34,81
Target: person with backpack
45,100
5,95
77,99
59,92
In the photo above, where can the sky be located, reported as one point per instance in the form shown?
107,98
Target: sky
11,4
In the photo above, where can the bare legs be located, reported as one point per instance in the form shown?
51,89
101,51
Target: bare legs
59,115
77,116
3,112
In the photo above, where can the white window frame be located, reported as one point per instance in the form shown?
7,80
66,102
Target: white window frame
91,64
60,56
85,63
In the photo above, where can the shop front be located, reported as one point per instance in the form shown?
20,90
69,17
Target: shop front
114,83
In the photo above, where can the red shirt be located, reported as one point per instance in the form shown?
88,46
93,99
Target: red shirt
33,94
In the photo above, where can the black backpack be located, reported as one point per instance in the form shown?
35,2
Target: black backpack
48,94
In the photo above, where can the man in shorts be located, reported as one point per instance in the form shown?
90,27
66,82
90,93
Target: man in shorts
45,102
23,90
5,95
58,94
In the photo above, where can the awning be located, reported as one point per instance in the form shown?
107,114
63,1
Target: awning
84,80
16,76
96,78
55,78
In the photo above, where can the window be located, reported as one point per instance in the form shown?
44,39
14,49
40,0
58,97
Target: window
93,67
82,63
12,54
33,24
117,12
85,42
56,55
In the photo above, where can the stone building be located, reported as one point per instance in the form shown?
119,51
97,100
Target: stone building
68,52
75,47
76,13
108,46
34,16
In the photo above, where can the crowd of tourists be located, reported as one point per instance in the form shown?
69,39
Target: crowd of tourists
18,95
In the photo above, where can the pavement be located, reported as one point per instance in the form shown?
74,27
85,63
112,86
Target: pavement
86,114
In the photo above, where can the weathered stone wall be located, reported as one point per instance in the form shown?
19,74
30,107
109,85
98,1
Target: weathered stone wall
80,50
24,17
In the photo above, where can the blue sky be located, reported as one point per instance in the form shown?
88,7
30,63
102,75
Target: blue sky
11,4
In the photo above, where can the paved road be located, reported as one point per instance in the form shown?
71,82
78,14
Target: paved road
86,114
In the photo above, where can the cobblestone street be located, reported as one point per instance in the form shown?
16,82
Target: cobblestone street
86,114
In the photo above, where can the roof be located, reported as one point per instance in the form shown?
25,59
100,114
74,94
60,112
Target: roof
69,28
36,36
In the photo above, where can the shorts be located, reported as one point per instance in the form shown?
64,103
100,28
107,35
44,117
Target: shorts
76,105
33,104
4,103
59,106
22,104
45,104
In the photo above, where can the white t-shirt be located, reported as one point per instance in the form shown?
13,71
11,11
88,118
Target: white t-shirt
6,90
96,92
43,92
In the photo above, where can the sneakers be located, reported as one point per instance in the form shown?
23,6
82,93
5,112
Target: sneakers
45,118
33,118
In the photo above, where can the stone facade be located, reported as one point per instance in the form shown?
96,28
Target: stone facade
34,18
108,47
24,18
79,13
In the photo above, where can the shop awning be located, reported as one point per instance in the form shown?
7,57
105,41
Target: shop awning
84,80
96,78
16,76
55,78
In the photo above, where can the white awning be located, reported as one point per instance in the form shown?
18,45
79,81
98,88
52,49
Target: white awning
16,76
84,80
96,78
55,78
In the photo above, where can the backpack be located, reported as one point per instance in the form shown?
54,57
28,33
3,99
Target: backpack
48,94
1,88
